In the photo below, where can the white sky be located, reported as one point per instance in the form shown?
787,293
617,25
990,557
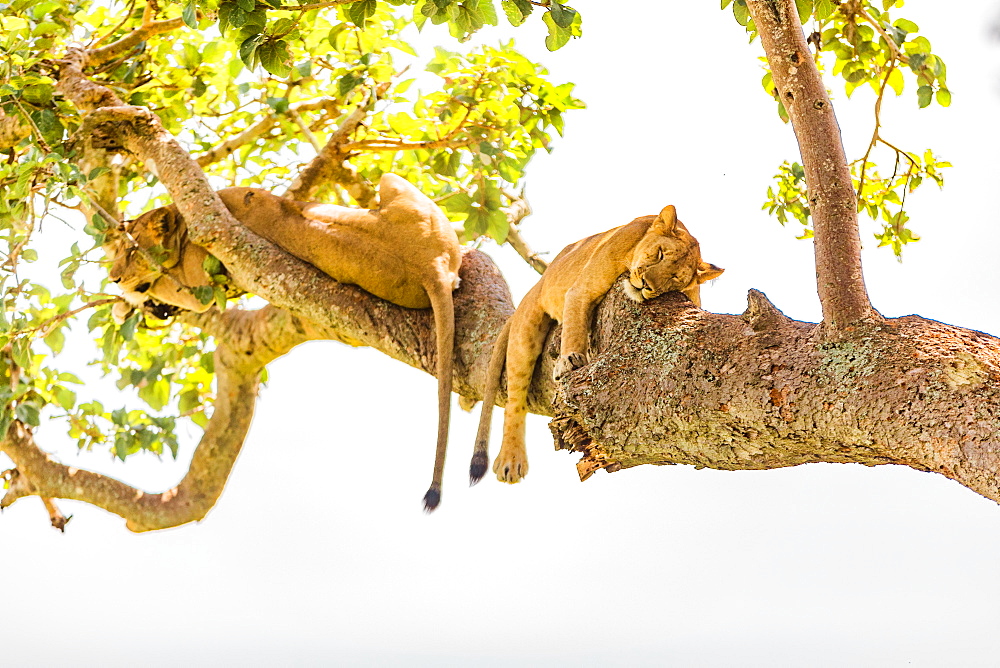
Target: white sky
319,554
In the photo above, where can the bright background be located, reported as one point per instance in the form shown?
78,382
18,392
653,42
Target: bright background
318,553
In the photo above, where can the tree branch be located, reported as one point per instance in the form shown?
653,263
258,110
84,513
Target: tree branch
99,56
330,165
247,341
762,391
833,204
518,210
261,128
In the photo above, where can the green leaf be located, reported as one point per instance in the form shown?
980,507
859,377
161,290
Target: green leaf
498,226
741,12
55,340
204,293
347,83
906,26
248,50
805,9
275,58
725,3
128,327
516,10
65,397
28,414
212,265
189,14
924,94
247,5
895,80
561,14
359,11
557,36
823,9
943,97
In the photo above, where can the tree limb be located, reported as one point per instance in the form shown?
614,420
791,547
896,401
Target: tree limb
330,165
518,210
833,204
762,391
248,340
261,128
99,56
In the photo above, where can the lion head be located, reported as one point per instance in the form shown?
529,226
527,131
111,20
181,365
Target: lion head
668,258
153,260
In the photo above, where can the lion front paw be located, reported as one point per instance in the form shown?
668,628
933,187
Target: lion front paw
568,363
511,465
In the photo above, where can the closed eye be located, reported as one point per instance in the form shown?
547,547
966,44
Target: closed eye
659,255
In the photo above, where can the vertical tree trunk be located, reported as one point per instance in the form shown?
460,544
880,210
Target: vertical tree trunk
832,201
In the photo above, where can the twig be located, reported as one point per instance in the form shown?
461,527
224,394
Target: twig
518,210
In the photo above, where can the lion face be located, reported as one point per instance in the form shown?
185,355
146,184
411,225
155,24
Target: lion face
161,232
668,258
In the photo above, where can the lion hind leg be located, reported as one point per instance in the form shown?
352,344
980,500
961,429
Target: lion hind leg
527,336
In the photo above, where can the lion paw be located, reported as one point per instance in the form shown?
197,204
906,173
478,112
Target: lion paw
511,466
568,363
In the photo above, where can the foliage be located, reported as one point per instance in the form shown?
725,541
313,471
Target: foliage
273,82
866,46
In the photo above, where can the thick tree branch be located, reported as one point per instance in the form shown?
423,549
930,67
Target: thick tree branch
248,340
832,201
762,391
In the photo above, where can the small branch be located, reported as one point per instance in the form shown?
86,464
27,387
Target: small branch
896,53
518,210
51,323
330,166
97,57
391,145
295,116
128,15
56,518
247,341
260,129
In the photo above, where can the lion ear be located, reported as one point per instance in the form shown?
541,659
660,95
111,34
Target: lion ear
166,229
666,221
707,271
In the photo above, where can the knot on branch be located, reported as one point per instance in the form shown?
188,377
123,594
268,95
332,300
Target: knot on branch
18,486
761,314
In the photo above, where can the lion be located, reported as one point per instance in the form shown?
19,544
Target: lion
660,256
405,252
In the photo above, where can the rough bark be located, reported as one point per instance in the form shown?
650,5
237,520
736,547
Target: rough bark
832,202
671,384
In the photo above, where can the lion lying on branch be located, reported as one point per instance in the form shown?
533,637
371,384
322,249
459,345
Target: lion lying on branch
405,252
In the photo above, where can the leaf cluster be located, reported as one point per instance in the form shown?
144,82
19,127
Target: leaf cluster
862,44
252,89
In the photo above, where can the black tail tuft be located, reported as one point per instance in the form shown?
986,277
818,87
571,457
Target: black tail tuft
477,467
432,498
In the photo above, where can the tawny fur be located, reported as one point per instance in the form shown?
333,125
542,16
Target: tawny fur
660,256
405,252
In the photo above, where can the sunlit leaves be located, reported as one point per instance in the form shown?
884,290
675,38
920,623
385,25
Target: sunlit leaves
861,43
